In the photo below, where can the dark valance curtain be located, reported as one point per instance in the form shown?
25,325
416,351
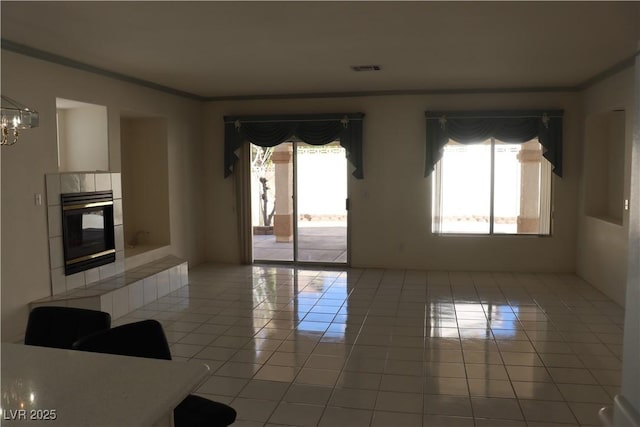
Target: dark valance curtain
269,131
467,127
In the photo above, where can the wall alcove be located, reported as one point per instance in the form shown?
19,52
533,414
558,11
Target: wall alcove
145,184
83,138
604,166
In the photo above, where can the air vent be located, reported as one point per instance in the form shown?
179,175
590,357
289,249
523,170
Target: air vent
365,67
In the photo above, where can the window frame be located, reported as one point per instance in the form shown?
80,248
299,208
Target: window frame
436,190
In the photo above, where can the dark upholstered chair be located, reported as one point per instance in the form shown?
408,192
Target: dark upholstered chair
60,327
147,339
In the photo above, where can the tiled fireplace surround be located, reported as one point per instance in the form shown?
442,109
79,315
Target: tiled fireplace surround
119,287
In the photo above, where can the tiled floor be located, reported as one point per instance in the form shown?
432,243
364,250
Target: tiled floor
293,346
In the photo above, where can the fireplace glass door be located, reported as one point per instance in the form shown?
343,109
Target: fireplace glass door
88,233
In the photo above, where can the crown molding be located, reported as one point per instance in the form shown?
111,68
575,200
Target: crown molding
68,62
72,63
616,68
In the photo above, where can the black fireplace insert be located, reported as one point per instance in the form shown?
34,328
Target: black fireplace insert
87,230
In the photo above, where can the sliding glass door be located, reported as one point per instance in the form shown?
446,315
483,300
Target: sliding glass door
298,198
321,178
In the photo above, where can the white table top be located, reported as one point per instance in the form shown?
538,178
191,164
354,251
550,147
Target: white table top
91,389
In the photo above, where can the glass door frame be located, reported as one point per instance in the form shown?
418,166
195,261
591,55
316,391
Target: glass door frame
248,199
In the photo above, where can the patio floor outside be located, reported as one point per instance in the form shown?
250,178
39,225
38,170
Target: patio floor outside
322,244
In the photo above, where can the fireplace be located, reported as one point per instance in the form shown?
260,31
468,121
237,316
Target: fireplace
87,230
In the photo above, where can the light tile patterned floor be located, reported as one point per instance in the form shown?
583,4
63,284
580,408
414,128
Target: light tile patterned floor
369,347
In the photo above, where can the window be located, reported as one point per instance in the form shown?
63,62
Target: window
492,187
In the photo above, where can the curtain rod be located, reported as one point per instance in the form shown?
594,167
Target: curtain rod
502,114
294,118
287,121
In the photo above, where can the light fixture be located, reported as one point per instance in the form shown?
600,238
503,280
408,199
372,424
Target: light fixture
14,117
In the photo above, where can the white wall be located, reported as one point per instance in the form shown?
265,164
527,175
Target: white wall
25,258
602,244
631,356
390,207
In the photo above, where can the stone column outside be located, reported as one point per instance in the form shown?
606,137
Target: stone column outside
530,156
282,158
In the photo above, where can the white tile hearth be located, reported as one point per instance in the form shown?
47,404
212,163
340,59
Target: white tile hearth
122,293
103,181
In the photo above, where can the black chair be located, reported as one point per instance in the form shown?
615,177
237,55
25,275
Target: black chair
147,339
60,327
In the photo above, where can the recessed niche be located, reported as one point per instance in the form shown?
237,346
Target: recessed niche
145,183
83,139
604,165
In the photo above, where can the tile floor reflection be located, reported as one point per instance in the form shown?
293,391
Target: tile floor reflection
373,347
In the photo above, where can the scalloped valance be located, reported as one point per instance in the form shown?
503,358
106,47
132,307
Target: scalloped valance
467,127
314,129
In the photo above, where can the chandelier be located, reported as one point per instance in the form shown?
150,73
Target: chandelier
13,118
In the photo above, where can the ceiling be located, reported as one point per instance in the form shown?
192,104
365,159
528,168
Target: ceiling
251,49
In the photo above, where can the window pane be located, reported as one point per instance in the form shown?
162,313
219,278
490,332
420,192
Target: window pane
519,183
462,188
269,181
506,205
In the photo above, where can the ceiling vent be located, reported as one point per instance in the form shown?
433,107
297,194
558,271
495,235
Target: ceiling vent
365,67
